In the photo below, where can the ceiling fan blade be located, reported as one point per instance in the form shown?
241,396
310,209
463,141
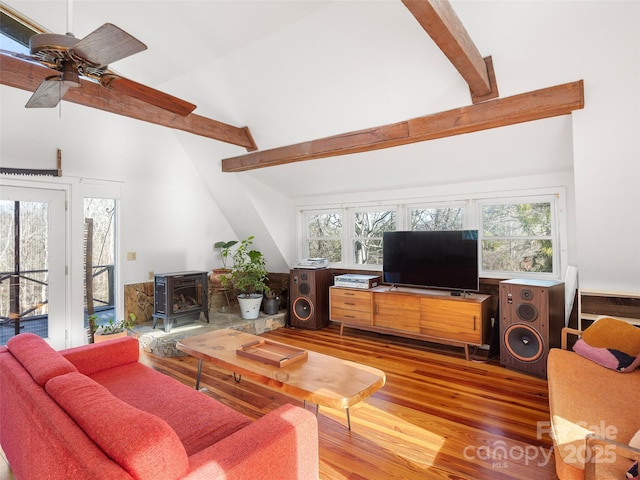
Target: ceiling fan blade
48,94
106,45
147,94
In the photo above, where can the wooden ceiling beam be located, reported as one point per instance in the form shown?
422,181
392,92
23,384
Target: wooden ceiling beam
25,75
440,21
536,105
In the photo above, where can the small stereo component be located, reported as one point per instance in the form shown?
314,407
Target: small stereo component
353,280
312,263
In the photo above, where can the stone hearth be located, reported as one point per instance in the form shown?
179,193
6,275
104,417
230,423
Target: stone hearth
161,343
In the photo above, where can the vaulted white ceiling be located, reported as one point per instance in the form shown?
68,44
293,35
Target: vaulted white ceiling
293,71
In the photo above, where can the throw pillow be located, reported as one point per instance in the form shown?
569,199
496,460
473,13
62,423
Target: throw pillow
607,357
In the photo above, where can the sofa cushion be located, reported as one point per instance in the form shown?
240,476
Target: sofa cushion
38,357
199,420
143,444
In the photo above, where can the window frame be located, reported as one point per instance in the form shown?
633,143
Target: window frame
304,215
472,206
464,205
351,237
554,236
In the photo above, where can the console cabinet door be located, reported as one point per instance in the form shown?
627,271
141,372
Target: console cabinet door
452,319
397,311
350,306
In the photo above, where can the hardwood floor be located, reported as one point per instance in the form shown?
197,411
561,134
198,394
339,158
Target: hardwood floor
438,416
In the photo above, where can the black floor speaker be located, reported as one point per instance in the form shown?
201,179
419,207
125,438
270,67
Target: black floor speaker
309,298
531,321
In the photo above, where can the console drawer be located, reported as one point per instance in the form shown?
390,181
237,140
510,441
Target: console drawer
351,300
350,316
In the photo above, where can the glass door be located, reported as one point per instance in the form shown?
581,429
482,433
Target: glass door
100,260
32,264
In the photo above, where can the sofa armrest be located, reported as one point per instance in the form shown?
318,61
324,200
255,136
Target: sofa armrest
283,444
96,357
602,450
566,331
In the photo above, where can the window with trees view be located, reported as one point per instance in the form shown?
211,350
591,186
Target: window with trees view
323,234
517,236
24,270
366,240
437,219
100,261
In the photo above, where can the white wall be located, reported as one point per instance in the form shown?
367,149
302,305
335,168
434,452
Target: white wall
607,148
168,216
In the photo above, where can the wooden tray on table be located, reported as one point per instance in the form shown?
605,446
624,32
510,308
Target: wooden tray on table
272,353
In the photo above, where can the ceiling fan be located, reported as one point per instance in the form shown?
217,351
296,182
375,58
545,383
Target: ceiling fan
90,57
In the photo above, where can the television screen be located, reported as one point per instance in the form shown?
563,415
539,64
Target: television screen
447,259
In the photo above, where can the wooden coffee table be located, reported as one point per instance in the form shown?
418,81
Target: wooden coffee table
320,379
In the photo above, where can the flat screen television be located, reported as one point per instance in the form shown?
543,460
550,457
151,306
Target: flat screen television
445,260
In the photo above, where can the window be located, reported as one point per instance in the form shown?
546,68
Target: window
518,237
436,219
366,240
15,32
100,257
323,235
32,266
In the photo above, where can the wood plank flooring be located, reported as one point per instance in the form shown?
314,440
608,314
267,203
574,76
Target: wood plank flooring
438,416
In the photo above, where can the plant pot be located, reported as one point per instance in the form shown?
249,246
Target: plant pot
270,306
250,305
103,338
216,276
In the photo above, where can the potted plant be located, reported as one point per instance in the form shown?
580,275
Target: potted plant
225,250
248,278
271,303
112,329
273,298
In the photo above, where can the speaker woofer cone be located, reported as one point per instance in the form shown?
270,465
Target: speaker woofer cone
526,311
303,308
524,342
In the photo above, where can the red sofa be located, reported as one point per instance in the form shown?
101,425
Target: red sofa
96,412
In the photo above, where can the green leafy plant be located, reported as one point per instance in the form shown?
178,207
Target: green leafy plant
249,274
225,250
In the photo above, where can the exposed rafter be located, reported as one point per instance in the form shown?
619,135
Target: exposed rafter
536,105
25,75
447,31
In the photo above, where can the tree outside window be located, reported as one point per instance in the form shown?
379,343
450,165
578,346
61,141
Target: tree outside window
324,236
437,219
517,237
368,229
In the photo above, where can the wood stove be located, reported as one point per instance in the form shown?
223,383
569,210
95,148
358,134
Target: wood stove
179,298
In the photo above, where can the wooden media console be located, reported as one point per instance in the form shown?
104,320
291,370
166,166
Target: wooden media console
430,315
